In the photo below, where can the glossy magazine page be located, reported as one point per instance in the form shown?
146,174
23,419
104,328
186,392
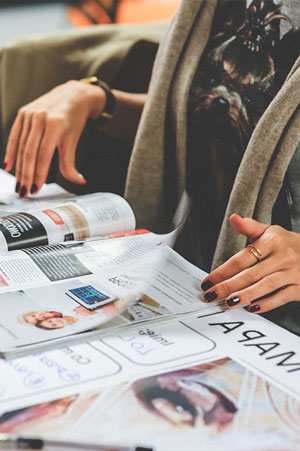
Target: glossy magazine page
203,383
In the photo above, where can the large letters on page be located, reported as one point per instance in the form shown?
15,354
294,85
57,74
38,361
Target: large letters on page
197,383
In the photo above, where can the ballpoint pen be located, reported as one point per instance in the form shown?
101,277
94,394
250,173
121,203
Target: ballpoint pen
15,442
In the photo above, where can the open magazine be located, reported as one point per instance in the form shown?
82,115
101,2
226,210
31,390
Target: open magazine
74,267
53,293
195,376
73,218
198,383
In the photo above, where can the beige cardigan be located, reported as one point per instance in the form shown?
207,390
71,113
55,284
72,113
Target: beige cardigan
265,161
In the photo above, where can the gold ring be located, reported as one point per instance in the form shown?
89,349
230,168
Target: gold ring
255,251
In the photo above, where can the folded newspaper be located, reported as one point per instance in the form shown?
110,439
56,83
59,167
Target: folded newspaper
76,269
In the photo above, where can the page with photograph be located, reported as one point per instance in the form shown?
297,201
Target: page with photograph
155,286
215,405
55,416
45,265
38,315
147,349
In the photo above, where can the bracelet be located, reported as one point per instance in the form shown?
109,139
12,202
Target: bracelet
110,102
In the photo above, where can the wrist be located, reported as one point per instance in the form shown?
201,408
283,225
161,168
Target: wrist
103,101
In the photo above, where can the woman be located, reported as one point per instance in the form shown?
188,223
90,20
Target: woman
56,322
157,176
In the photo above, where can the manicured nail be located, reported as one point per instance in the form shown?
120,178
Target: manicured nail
233,301
206,285
83,179
23,191
4,165
33,188
254,308
210,296
17,187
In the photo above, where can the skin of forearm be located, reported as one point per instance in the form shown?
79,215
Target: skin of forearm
127,112
126,117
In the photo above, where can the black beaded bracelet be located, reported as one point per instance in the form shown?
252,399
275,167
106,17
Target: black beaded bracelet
109,106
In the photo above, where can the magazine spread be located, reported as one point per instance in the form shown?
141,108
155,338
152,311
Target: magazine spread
70,264
202,383
120,280
119,321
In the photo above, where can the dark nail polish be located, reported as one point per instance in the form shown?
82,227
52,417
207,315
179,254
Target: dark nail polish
206,285
211,296
254,308
33,188
4,165
23,191
233,301
17,187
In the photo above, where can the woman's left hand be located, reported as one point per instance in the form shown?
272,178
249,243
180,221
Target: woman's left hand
265,274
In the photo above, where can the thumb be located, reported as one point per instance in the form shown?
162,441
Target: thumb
248,227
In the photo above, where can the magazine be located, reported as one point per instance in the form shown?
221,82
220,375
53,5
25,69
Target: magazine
198,383
70,219
144,337
78,268
58,292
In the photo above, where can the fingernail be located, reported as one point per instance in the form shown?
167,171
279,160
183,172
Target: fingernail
4,165
23,191
233,301
254,308
206,285
211,296
17,187
33,189
82,177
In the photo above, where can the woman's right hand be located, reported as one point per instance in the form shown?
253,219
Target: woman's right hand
54,120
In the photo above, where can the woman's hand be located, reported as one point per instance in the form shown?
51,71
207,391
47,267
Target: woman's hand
55,120
265,274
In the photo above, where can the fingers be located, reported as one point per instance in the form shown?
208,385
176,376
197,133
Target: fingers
265,274
276,299
27,153
248,227
242,280
32,142
43,159
24,133
13,142
54,120
270,284
262,289
36,147
237,264
67,161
